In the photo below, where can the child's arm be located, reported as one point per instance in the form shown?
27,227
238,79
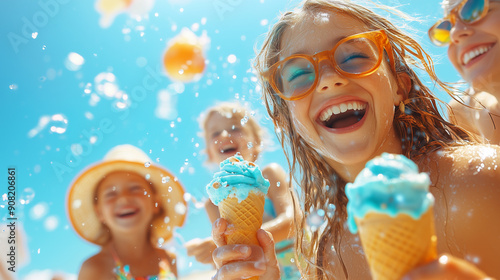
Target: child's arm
212,211
279,192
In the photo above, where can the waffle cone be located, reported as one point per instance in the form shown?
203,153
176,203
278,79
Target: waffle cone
395,245
244,219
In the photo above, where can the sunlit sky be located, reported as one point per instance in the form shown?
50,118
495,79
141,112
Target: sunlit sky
58,65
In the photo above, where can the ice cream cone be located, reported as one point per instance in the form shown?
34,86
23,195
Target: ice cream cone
395,245
244,218
239,190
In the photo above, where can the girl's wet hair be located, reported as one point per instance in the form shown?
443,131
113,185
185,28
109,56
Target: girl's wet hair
421,127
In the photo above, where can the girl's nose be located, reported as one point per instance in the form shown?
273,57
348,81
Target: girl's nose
460,31
329,77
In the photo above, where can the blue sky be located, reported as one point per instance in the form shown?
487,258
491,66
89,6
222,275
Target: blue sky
51,105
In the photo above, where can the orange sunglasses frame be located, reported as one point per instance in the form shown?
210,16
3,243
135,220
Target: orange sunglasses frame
452,18
377,36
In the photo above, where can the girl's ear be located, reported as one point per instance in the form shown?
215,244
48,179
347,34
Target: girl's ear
404,87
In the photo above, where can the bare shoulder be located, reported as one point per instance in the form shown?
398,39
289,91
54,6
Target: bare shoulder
467,181
467,165
99,266
273,169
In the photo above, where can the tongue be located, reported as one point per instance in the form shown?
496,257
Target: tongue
347,121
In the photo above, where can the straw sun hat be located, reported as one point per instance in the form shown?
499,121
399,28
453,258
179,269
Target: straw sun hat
169,193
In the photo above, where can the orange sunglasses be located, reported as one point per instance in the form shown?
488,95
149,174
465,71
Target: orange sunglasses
355,56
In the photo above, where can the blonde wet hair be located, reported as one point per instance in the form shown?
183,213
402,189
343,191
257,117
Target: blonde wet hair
235,110
420,126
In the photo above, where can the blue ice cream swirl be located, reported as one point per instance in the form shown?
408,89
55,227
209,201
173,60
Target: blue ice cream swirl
236,178
389,184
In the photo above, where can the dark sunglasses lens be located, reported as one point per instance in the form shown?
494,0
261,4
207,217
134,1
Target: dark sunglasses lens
472,10
440,34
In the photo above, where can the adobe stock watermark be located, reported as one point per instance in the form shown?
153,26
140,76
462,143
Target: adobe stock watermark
150,84
39,19
224,6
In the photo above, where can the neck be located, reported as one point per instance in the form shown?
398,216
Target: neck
131,246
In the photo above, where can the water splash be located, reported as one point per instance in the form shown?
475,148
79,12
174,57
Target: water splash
27,196
316,219
244,120
58,124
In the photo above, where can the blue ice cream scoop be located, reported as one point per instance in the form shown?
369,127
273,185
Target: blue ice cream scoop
236,178
390,184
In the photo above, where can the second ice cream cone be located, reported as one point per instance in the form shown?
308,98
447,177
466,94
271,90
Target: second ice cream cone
395,245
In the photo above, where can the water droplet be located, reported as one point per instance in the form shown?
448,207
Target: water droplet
148,176
74,61
27,196
330,212
76,149
13,87
39,211
169,189
278,184
51,223
147,164
186,161
316,219
244,120
165,180
34,35
180,208
231,58
250,145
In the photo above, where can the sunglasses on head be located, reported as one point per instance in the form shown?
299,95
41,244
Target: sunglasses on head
355,56
468,11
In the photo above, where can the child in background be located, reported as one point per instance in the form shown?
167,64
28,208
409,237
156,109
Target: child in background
229,128
470,30
128,206
338,83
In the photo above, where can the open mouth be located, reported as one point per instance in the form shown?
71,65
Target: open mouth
475,53
127,214
228,150
343,115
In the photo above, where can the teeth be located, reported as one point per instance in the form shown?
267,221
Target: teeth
341,108
474,53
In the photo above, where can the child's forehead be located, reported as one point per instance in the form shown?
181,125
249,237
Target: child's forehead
317,28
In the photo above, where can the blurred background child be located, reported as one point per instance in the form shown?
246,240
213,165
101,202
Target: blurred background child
128,206
470,30
229,128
